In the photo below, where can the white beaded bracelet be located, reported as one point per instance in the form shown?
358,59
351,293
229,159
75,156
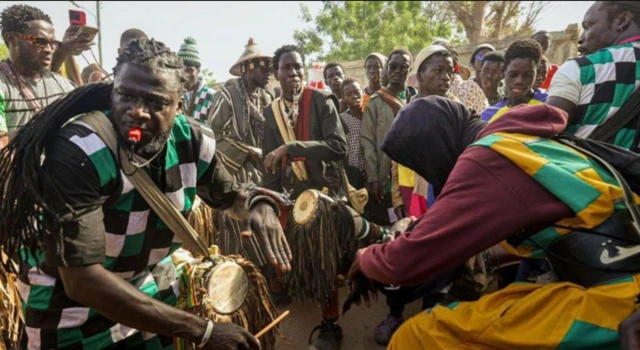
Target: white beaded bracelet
207,334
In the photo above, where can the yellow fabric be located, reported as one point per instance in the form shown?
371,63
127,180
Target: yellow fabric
521,316
406,176
532,316
512,146
396,196
505,109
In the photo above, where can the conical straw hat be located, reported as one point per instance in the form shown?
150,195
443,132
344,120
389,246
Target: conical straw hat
251,51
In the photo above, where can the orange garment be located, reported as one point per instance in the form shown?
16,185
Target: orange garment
365,100
552,71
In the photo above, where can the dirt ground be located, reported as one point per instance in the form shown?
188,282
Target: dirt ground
358,326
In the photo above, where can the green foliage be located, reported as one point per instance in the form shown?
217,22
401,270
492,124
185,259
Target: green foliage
208,77
353,29
4,52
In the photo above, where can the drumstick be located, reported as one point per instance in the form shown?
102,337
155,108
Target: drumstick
273,324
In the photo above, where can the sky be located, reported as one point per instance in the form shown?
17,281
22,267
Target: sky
222,29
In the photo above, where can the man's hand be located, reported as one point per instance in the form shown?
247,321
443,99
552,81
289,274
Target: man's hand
401,212
378,193
74,44
629,331
265,224
273,159
228,336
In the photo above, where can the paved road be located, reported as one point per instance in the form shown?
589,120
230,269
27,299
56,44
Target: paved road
358,325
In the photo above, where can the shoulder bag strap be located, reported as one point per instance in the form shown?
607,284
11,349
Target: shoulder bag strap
158,202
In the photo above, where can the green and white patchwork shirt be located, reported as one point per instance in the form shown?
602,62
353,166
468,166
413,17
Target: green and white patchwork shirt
115,227
203,104
599,84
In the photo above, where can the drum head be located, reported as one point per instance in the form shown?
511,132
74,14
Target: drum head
306,207
228,287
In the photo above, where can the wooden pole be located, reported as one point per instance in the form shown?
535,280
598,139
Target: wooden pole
99,32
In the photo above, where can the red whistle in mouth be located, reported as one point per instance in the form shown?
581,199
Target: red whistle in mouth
135,134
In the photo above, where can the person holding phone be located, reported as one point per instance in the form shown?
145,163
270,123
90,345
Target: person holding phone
28,81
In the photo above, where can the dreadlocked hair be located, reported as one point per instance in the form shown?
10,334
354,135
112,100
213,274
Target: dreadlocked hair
22,176
282,50
527,48
16,18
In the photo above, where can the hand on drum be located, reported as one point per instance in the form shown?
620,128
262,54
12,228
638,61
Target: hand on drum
266,226
229,336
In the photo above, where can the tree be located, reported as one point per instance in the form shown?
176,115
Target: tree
4,51
354,29
208,78
488,20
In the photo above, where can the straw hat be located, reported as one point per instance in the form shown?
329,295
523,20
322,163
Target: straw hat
251,52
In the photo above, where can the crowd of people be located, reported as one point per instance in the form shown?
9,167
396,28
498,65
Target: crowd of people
516,237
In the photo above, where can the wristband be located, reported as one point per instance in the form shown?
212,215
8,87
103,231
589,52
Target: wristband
266,199
207,334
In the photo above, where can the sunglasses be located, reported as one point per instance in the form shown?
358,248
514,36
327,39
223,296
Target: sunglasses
41,42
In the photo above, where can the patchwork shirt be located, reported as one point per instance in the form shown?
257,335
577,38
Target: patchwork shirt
109,223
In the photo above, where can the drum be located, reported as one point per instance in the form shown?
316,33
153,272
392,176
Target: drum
225,289
324,234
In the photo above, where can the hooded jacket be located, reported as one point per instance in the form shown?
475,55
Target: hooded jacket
486,197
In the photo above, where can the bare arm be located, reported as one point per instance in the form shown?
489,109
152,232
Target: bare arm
564,104
121,302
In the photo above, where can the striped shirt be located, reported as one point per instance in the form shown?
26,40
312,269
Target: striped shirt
494,112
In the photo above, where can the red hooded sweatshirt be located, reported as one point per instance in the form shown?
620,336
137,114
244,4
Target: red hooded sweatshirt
485,200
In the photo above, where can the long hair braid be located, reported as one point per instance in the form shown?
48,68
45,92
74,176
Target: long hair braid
22,176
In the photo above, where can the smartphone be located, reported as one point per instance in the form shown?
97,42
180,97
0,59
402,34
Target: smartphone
77,18
88,32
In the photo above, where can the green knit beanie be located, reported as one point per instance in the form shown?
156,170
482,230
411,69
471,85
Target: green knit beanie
189,52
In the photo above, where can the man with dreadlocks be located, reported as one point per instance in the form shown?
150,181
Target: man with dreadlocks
27,83
304,144
237,124
96,272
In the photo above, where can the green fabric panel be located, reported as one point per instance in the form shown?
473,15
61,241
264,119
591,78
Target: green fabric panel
560,155
624,138
622,280
189,196
569,189
132,244
603,173
68,336
596,113
151,289
622,94
171,159
181,129
587,75
202,168
27,257
98,341
109,262
543,238
604,56
488,141
453,305
105,165
160,225
586,336
39,297
125,202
